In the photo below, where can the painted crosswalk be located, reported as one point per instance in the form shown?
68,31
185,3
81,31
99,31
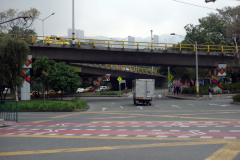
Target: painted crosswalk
148,129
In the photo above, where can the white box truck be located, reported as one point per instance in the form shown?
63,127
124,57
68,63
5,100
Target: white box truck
143,91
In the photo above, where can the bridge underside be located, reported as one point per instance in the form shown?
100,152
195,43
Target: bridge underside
102,55
160,81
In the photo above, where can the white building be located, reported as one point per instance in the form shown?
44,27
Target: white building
78,33
155,38
131,43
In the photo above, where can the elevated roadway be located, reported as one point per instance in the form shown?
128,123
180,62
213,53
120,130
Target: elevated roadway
105,55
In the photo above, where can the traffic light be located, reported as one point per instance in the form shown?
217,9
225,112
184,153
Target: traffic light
209,1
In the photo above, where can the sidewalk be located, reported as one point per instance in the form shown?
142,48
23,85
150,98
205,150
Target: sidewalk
194,96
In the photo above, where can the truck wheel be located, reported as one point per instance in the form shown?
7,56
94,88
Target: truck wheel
134,101
149,103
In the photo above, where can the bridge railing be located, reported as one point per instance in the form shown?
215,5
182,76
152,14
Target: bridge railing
126,68
129,44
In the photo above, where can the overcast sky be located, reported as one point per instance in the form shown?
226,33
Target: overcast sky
117,18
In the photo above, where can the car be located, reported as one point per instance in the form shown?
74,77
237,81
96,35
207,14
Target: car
35,93
89,89
50,92
80,90
102,89
55,40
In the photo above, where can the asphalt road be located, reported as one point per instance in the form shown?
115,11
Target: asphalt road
114,128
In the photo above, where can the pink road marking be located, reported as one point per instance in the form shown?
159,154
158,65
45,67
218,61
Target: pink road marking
117,132
128,124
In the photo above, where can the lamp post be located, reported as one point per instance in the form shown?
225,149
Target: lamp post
73,29
151,42
43,24
192,42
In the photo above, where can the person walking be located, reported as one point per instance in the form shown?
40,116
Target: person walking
174,90
126,89
210,91
177,88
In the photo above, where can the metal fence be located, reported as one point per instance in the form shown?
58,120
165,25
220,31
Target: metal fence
9,110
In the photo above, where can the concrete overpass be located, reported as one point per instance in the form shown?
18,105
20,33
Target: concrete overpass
105,55
129,75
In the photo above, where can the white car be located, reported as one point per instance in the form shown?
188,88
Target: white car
80,90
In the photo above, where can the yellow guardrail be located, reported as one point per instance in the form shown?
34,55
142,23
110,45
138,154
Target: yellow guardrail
126,68
134,45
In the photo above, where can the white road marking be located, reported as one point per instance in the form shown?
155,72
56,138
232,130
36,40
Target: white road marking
213,104
175,106
224,105
156,106
113,103
169,101
159,96
103,109
191,104
139,107
121,107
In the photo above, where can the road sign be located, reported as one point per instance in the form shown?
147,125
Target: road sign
170,77
123,81
119,79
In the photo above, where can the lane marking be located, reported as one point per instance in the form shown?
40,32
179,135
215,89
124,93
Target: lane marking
156,105
159,96
139,107
191,104
121,107
103,109
176,106
41,121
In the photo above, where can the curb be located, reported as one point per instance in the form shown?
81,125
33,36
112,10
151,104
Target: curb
2,123
236,103
184,98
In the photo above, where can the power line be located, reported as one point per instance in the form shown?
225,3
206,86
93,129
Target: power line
195,5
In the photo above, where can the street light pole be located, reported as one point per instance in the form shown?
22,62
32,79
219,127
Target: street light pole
43,24
151,42
191,41
73,34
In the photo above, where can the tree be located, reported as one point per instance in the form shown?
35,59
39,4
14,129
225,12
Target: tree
220,28
13,55
231,18
64,79
41,69
22,23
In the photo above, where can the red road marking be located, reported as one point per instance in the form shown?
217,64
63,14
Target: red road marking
117,132
128,124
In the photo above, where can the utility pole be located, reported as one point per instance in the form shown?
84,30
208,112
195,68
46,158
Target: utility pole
73,34
152,42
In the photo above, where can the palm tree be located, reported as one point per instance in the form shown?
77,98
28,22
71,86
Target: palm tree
41,68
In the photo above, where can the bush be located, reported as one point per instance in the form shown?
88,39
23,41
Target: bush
232,87
203,90
236,98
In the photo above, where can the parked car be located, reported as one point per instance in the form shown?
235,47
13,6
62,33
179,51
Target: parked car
80,90
35,93
89,89
102,89
50,92
55,40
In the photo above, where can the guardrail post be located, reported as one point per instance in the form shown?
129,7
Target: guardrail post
138,69
111,66
208,49
137,45
94,64
108,44
180,47
79,43
166,47
105,65
32,39
63,41
100,65
152,46
94,43
221,49
123,45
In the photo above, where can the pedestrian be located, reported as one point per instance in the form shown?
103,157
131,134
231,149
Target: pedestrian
210,91
126,89
174,90
177,88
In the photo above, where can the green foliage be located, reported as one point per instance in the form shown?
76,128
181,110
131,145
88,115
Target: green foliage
13,55
41,69
75,103
64,78
23,23
203,90
232,87
236,98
